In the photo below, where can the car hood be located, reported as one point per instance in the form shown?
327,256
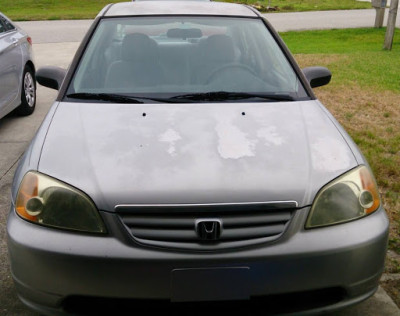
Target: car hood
195,153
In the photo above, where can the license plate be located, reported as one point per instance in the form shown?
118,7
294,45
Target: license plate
212,284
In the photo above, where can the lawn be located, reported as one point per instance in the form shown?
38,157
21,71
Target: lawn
304,5
364,96
29,10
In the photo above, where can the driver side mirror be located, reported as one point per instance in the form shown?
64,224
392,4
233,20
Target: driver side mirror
51,76
317,76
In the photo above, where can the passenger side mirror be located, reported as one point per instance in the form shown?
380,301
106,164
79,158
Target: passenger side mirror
51,76
317,76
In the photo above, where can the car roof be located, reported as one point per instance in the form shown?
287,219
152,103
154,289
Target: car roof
177,8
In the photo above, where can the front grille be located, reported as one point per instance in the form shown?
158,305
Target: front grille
205,227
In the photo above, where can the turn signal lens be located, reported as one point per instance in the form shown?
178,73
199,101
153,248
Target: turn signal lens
49,202
349,197
369,185
28,189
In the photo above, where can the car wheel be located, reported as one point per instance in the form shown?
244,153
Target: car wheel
28,93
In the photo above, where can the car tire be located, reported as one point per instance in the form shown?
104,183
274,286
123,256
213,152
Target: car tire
28,92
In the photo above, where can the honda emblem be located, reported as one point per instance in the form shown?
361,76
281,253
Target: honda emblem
208,229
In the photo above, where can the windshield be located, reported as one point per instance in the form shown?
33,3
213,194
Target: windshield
160,57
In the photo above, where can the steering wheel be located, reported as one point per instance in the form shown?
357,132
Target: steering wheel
228,67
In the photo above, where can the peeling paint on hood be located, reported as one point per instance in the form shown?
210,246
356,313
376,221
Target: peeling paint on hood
233,143
195,153
170,137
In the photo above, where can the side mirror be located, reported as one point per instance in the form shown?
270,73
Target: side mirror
317,76
51,76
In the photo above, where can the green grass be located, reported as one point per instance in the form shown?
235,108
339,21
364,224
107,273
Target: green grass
29,10
360,57
305,5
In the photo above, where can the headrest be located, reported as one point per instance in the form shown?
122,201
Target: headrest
218,48
138,47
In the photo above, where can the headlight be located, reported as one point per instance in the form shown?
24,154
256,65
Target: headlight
351,196
50,202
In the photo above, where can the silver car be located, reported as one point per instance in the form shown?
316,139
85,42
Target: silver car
186,163
17,71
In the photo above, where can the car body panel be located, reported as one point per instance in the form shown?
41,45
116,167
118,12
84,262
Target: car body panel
31,157
10,69
207,146
15,53
305,260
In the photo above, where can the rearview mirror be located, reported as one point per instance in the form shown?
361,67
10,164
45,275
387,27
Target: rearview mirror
317,76
51,76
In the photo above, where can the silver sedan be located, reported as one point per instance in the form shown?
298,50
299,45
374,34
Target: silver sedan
187,160
17,71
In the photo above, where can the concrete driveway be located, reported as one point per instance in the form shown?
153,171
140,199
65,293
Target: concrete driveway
325,20
55,43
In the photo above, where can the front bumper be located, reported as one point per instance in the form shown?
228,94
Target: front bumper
49,265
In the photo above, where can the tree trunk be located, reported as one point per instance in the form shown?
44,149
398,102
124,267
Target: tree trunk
391,25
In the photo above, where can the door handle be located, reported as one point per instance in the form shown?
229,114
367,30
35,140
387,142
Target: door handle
14,41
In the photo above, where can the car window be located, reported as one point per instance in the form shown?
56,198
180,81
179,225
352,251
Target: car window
2,28
5,24
160,56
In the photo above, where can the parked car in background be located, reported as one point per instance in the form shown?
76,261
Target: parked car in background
17,71
186,159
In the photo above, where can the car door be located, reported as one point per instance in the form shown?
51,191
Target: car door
10,66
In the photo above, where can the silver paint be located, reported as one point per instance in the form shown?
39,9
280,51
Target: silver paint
144,8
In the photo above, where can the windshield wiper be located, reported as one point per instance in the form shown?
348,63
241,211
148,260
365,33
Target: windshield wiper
225,95
117,98
110,97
